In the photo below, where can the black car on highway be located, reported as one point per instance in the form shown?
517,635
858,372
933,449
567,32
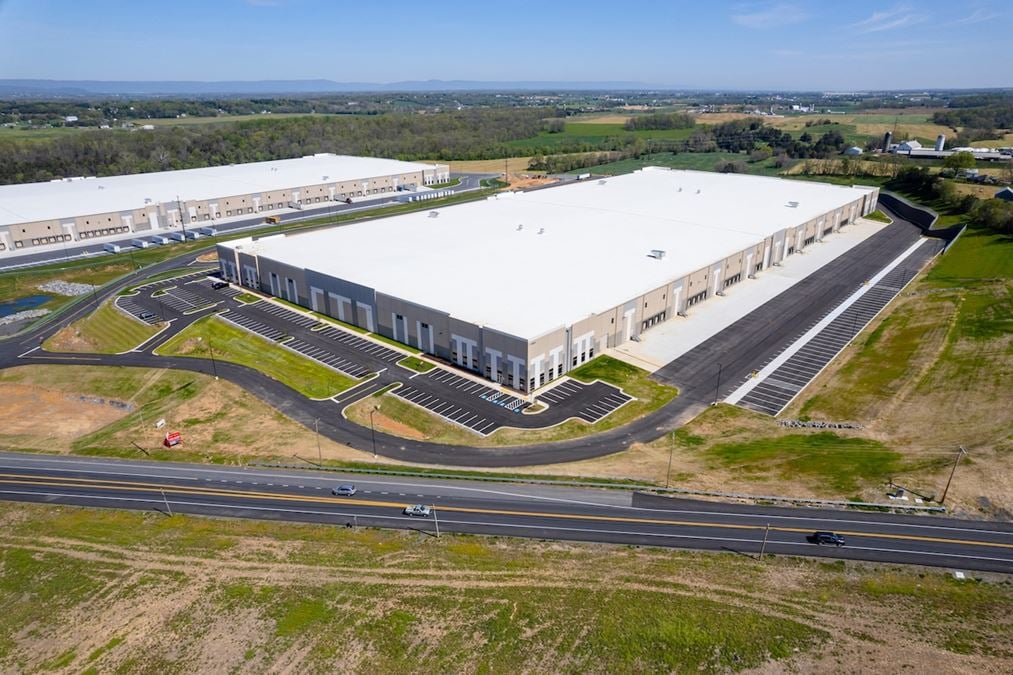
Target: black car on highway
828,538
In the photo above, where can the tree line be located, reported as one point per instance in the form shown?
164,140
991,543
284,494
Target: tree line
660,121
468,134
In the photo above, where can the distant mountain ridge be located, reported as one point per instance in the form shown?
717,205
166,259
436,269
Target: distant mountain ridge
27,88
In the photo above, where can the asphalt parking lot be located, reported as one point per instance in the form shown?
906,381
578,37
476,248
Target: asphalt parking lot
780,386
479,407
596,400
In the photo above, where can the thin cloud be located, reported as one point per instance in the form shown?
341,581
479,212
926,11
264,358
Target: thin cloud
977,16
769,16
901,16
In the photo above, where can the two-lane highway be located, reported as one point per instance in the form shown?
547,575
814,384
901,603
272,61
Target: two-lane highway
541,511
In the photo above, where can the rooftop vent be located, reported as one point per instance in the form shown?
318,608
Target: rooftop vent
520,227
656,253
324,178
541,230
680,189
698,190
147,200
434,214
602,181
792,205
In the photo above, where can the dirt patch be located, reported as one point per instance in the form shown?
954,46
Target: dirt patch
210,256
69,339
50,419
512,165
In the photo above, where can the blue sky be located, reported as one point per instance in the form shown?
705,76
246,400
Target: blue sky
730,45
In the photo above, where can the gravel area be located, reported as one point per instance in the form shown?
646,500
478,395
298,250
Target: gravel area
21,316
66,288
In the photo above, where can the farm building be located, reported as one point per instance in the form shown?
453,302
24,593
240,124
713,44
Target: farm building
77,209
522,287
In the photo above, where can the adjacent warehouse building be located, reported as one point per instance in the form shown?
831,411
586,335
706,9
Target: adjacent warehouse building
522,287
76,209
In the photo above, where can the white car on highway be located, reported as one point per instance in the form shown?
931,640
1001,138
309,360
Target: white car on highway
417,510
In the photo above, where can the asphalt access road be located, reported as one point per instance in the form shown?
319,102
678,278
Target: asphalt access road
93,248
540,511
740,348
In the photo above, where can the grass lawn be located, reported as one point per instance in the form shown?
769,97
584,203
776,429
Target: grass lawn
105,331
416,364
879,216
246,298
231,343
173,594
394,343
402,418
979,255
696,161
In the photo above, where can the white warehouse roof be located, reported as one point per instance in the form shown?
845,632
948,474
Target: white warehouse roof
67,198
582,250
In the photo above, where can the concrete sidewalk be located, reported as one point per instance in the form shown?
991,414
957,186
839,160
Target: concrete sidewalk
671,339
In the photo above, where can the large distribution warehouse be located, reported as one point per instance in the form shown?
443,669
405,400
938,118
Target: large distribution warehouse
75,209
522,287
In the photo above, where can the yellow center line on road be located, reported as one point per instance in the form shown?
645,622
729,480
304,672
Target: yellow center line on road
131,486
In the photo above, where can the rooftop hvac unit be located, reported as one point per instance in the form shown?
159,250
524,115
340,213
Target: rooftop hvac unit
434,214
698,190
680,189
656,253
541,230
520,227
792,205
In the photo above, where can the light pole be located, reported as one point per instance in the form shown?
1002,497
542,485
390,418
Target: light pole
717,387
671,451
372,430
316,428
214,365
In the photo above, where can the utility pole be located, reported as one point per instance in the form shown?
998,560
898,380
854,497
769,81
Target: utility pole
960,453
671,451
763,546
717,387
167,507
436,519
316,427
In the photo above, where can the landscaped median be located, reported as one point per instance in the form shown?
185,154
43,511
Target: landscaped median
213,336
105,331
400,418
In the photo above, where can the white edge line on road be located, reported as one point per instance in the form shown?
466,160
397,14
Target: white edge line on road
21,356
804,339
556,528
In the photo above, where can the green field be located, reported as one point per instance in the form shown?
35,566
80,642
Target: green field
879,216
176,594
416,364
694,161
591,135
231,343
105,331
